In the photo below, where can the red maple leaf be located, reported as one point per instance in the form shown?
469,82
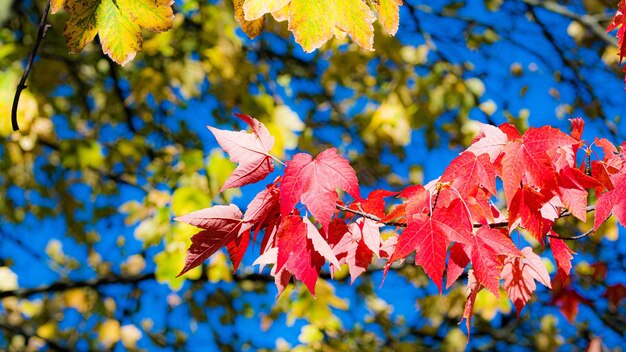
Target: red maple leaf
484,250
429,242
319,243
614,202
249,150
374,203
467,172
619,20
296,253
525,210
263,210
562,255
573,185
473,287
578,125
237,248
313,182
520,273
221,223
358,255
529,161
302,249
456,264
454,221
417,201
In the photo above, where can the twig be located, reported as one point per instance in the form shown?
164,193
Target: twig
586,20
573,238
369,216
41,34
502,224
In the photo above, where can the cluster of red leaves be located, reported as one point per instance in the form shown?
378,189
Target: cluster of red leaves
450,223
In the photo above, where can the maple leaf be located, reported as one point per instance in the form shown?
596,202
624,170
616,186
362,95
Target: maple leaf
471,292
614,202
529,161
296,253
253,27
429,242
313,182
619,21
221,225
389,14
118,24
484,250
417,201
454,221
313,22
255,9
456,264
491,140
520,273
374,203
352,248
249,150
467,172
263,210
526,208
572,190
562,255
319,243
237,248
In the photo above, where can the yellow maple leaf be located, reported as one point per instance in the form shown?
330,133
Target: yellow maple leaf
313,22
118,23
252,27
389,14
355,18
254,9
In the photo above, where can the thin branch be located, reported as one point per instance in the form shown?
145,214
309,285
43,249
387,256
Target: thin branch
41,34
501,224
573,238
369,216
587,21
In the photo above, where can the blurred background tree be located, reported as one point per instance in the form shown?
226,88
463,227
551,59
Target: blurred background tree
108,155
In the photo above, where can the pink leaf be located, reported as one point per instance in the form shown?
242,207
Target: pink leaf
314,182
520,273
249,150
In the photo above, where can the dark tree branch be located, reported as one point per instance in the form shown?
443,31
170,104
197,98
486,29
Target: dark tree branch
41,34
65,284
